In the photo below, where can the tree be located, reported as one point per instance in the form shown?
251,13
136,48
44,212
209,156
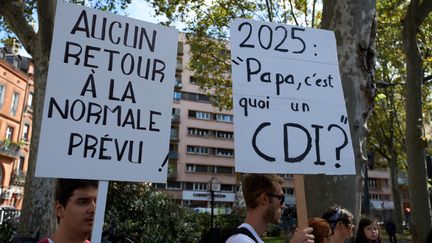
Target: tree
417,12
353,23
17,14
138,211
386,126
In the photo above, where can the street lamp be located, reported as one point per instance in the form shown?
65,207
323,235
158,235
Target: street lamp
214,187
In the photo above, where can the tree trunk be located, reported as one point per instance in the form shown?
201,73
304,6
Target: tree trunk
37,213
397,201
393,167
415,147
353,24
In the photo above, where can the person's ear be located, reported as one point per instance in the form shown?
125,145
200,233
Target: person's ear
263,199
59,209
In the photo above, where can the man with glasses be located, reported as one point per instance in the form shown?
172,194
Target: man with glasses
264,200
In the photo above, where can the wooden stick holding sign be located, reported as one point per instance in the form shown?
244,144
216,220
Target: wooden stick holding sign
302,218
100,211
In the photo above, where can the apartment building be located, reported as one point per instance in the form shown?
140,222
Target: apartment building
381,197
16,95
202,147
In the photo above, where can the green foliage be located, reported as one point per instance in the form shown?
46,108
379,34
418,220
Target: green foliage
140,212
208,25
7,230
387,124
29,10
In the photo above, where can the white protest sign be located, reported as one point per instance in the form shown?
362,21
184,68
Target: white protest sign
108,100
289,107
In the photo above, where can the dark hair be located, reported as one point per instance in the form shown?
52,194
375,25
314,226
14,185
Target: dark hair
255,184
336,214
364,222
429,236
321,228
66,187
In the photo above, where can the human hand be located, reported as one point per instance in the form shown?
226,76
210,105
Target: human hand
303,235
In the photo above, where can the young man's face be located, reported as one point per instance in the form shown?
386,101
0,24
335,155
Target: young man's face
77,217
274,209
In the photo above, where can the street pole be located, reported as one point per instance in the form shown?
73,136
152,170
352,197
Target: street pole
366,198
214,187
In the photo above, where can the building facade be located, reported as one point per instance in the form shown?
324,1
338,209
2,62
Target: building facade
16,95
381,196
202,147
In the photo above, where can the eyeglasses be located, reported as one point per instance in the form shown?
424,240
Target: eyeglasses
280,197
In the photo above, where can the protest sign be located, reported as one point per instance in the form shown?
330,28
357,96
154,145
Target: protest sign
289,107
107,110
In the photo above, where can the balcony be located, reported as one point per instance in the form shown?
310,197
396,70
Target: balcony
180,48
179,65
174,137
178,84
18,178
173,155
10,149
175,118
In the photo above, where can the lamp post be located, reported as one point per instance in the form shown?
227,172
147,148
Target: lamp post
214,187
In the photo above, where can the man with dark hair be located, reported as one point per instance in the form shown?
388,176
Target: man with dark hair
75,204
264,200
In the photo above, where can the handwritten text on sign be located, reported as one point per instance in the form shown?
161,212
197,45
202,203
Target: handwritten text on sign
107,109
290,114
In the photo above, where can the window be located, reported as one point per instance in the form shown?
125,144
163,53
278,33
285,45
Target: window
203,115
198,132
25,134
372,183
226,188
177,95
200,187
224,152
159,185
189,186
2,95
180,48
225,170
20,165
288,191
224,135
224,118
190,167
9,133
30,101
197,150
192,80
174,185
179,64
201,168
14,103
